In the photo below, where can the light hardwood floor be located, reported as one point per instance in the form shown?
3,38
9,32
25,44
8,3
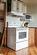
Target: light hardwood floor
26,51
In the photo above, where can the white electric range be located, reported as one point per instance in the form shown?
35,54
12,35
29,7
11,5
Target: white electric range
17,34
17,38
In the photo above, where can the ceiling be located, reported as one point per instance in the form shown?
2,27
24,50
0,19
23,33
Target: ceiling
30,1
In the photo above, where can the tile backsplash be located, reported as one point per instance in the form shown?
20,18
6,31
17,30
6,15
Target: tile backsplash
13,21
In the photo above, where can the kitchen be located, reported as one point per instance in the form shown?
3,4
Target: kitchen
22,27
17,33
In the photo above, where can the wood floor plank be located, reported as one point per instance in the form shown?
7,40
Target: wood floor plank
35,49
32,51
26,51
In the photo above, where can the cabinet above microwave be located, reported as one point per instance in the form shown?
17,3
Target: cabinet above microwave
15,5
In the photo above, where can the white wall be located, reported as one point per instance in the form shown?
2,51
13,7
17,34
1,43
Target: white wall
32,9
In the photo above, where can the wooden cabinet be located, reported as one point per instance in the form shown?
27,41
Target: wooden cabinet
36,37
2,18
31,36
32,39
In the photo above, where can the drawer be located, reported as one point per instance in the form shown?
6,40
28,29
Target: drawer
1,6
21,45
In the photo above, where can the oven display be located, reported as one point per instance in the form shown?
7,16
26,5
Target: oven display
22,35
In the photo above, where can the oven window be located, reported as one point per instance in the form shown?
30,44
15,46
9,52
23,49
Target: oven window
22,35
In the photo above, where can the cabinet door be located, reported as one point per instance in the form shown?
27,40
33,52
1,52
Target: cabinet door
24,8
36,37
31,36
19,6
14,5
2,6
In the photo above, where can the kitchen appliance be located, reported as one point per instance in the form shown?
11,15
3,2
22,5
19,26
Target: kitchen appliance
22,34
28,18
25,20
17,38
17,32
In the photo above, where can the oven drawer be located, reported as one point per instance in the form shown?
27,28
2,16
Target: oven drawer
21,45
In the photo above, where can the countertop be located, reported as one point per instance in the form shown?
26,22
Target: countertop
32,24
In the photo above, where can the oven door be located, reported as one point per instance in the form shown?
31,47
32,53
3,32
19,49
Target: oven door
21,35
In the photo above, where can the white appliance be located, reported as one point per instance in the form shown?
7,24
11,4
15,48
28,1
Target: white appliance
17,38
21,34
17,34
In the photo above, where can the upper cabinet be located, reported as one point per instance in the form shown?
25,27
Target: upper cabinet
14,5
1,6
18,6
2,9
24,8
